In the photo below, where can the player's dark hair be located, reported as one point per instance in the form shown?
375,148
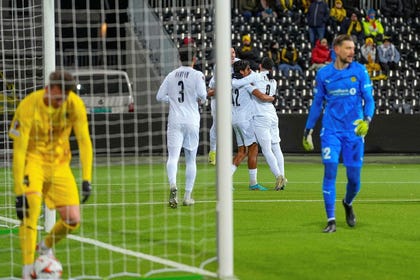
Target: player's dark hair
240,65
341,38
267,63
186,54
62,79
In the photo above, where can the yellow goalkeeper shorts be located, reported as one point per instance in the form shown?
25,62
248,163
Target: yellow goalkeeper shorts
55,182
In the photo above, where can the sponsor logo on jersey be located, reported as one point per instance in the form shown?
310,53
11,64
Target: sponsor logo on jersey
343,92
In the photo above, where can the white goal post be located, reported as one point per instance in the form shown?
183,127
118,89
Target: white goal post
127,229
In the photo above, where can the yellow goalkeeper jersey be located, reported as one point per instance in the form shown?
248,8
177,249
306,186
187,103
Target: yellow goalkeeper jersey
41,133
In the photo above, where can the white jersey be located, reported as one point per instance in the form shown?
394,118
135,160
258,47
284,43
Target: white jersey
269,87
242,103
242,108
263,84
182,89
265,119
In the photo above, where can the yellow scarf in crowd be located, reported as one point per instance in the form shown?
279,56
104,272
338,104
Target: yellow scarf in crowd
358,27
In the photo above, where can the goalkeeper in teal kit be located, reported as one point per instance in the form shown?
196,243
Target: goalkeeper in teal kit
343,92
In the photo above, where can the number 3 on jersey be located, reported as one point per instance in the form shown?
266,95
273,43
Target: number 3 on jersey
181,92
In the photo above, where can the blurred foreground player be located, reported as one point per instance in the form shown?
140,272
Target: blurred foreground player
40,131
343,92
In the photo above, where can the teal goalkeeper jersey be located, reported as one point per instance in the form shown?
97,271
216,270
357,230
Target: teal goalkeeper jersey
343,95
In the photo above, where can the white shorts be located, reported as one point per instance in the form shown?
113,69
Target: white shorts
213,107
183,136
245,134
266,128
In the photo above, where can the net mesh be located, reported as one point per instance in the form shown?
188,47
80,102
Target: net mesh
127,228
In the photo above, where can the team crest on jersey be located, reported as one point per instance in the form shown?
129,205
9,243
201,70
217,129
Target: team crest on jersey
353,79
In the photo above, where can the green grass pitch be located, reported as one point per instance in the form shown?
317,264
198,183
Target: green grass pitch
277,235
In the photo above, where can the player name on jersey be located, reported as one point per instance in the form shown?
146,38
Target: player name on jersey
182,74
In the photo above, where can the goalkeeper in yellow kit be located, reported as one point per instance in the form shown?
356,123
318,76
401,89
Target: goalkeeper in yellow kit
40,131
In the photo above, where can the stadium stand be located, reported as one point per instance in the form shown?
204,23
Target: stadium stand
398,93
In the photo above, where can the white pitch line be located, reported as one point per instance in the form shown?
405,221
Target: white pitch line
139,255
255,200
127,252
234,201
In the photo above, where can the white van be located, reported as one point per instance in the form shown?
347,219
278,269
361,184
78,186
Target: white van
104,91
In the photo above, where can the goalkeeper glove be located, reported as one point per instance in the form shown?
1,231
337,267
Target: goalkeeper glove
362,127
86,190
22,207
307,143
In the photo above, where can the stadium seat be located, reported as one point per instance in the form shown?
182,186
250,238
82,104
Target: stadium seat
299,84
401,87
383,107
416,86
416,108
306,96
234,12
409,95
283,83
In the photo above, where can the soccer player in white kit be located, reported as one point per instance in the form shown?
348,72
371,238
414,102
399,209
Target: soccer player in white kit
211,93
242,112
265,120
184,89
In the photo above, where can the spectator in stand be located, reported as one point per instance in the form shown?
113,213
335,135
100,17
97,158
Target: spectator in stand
248,52
268,8
289,58
372,27
321,55
287,8
369,56
249,8
303,5
388,56
317,18
275,54
392,8
337,14
352,26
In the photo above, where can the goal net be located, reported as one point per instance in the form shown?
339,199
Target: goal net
127,228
